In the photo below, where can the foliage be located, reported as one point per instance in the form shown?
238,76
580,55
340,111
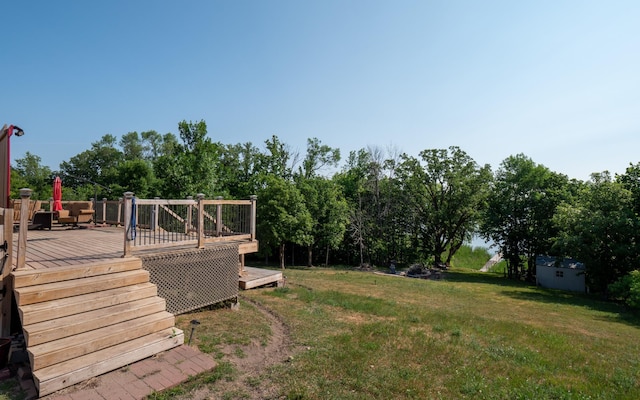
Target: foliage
318,157
189,168
520,207
445,191
96,166
380,206
627,289
139,177
282,215
28,172
601,230
328,211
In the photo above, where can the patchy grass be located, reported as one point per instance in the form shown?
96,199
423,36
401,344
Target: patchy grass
471,335
214,335
10,390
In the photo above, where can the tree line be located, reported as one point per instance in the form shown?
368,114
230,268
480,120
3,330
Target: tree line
376,205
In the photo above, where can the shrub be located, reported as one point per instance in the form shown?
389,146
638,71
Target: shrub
627,289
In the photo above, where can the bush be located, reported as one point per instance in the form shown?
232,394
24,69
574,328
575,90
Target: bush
627,289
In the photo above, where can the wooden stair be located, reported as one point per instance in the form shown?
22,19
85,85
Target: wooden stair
82,321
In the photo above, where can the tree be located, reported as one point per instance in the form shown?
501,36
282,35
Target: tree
282,215
135,176
237,169
93,169
278,160
318,157
28,172
520,207
600,229
630,180
132,146
189,168
445,191
329,214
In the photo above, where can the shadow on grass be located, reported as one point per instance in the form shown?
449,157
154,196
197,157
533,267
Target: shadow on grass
489,278
614,311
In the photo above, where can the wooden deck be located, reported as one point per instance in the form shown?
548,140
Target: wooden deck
256,277
63,246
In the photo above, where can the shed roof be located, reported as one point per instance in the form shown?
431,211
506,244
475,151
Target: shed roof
547,261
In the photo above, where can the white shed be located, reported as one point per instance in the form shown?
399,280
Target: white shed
563,274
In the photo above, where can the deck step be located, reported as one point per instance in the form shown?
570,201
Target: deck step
23,278
55,329
59,376
38,312
46,354
83,321
59,290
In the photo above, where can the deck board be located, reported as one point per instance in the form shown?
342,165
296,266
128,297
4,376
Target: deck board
256,277
62,246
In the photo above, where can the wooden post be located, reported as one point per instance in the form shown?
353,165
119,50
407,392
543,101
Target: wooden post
241,265
200,197
156,212
120,203
129,233
219,217
50,204
104,210
189,222
7,281
252,228
25,195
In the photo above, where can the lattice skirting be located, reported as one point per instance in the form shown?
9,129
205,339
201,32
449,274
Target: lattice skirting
194,278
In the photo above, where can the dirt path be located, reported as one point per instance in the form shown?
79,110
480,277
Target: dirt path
252,362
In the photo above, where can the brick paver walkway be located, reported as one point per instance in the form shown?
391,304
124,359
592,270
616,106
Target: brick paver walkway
140,379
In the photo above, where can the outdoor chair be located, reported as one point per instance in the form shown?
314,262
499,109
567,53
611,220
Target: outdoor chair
75,212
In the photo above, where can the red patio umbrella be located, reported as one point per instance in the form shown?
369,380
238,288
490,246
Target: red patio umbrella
57,194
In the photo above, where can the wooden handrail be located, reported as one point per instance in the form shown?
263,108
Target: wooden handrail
163,233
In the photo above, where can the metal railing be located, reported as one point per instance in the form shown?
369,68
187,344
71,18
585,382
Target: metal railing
154,223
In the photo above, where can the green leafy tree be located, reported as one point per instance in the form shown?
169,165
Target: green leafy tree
132,146
282,215
600,228
318,158
29,172
278,159
237,170
329,213
93,169
630,180
446,191
520,207
189,168
135,176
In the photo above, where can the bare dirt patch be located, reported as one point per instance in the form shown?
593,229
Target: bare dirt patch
251,363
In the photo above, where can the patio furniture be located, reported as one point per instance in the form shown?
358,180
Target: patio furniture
41,220
75,212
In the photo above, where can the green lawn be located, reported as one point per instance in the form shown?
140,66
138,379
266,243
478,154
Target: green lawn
360,335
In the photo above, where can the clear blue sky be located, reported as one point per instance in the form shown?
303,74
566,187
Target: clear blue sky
556,80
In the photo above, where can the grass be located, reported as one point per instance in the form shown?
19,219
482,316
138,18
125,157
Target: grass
471,335
10,390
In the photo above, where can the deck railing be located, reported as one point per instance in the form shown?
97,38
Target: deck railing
110,212
6,217
154,223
